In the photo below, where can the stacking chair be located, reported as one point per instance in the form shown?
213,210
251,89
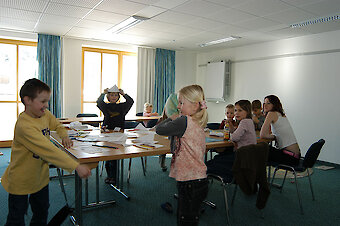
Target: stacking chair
95,124
249,170
304,164
213,125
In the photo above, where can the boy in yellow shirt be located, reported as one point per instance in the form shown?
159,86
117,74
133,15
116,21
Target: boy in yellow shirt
27,176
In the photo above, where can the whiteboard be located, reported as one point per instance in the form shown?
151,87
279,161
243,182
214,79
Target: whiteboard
214,88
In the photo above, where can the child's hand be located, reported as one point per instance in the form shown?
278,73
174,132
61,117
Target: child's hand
174,116
121,92
83,171
255,119
67,142
106,91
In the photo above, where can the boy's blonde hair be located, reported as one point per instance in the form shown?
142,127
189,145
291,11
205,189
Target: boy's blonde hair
146,105
195,94
230,106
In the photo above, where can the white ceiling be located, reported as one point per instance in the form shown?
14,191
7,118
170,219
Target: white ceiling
174,24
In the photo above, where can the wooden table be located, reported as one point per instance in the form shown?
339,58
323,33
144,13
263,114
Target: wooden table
109,154
118,154
100,119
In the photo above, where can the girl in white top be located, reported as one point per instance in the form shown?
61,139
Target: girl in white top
277,126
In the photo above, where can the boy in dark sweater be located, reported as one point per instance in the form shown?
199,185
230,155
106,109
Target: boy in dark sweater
114,116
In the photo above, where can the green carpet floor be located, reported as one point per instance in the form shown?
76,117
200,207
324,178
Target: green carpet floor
149,192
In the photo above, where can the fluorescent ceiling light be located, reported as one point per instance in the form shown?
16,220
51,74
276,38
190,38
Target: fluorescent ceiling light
315,21
231,38
126,24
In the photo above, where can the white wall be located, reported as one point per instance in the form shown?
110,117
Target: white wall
185,72
72,66
307,82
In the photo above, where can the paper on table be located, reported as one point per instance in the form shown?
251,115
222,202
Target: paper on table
140,127
146,139
87,147
78,126
216,133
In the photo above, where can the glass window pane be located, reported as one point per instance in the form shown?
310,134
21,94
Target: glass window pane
110,70
21,107
129,80
28,64
91,76
91,108
7,120
8,78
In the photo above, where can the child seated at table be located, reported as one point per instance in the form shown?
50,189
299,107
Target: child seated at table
148,113
244,135
27,175
114,116
229,113
258,117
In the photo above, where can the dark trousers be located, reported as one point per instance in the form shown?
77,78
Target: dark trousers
18,205
277,155
222,165
191,194
111,168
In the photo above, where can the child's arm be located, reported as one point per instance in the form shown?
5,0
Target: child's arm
239,132
265,130
83,171
171,127
129,102
31,137
222,124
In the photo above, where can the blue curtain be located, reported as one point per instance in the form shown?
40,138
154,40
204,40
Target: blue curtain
49,53
164,77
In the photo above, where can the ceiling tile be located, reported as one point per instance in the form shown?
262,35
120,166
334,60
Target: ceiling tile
324,8
103,16
169,4
52,29
61,20
290,16
256,24
95,25
155,25
263,7
183,30
81,3
31,5
150,11
174,17
121,7
289,32
199,8
300,2
66,10
203,24
231,16
19,14
229,3
228,30
15,24
146,2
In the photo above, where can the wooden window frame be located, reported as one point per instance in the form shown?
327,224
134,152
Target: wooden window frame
8,143
101,51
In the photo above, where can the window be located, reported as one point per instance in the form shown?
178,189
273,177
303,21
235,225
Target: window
18,62
103,68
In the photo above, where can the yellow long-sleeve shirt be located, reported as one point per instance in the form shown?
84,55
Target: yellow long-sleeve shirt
32,150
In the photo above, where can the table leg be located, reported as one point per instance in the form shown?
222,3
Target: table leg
77,218
120,180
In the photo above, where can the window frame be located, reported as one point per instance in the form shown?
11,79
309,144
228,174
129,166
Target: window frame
101,51
8,143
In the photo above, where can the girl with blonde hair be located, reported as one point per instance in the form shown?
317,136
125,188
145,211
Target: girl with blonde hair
188,147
